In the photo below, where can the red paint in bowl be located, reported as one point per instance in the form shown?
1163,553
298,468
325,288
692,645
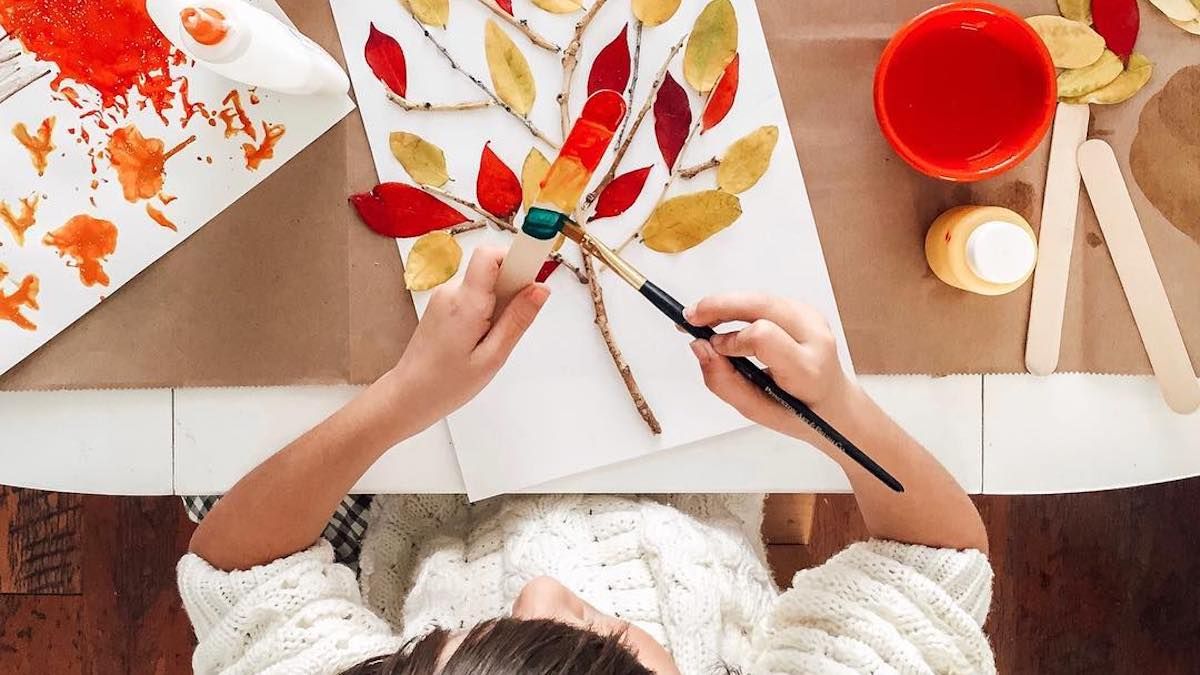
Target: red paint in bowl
965,91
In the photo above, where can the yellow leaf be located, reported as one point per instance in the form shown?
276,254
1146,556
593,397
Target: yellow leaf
1137,74
559,6
533,172
683,222
1072,44
1076,10
432,260
510,71
1192,27
422,160
1080,81
1177,10
747,160
711,46
430,12
654,12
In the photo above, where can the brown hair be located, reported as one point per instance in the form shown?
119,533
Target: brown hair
504,646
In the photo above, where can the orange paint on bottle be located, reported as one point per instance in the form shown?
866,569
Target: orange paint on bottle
160,217
25,296
255,155
88,241
19,224
39,145
206,25
140,162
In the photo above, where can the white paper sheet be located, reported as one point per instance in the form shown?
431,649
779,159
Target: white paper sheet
559,406
203,189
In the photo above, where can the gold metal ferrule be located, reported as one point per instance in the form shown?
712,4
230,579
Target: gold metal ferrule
616,263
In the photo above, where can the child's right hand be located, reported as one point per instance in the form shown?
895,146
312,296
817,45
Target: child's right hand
793,340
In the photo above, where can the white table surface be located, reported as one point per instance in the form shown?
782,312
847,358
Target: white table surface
997,433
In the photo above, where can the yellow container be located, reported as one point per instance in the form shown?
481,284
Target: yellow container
989,250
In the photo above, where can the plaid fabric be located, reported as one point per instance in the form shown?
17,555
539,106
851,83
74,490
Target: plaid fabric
344,531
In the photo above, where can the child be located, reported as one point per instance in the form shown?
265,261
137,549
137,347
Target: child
584,584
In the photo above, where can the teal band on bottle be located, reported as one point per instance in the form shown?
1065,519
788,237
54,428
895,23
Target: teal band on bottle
543,223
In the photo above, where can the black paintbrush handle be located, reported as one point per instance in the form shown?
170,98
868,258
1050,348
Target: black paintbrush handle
759,378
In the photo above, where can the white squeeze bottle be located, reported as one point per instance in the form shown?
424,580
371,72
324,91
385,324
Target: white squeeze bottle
248,45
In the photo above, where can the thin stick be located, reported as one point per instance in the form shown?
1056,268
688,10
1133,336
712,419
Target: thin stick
171,153
635,392
521,25
427,106
557,257
442,194
633,81
570,60
693,171
537,133
469,227
637,123
7,94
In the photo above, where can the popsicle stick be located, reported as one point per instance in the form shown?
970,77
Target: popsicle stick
1060,205
1139,277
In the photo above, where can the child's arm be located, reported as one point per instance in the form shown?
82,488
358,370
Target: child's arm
282,506
795,342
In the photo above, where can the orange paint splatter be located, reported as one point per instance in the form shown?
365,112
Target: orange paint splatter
25,296
166,198
39,146
266,150
235,118
191,109
140,162
88,241
254,99
19,224
160,217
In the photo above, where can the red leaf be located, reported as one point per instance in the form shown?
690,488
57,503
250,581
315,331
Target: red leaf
548,268
721,99
506,5
386,59
672,119
399,210
1118,21
621,193
497,187
610,70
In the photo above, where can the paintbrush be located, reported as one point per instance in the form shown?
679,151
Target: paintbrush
672,308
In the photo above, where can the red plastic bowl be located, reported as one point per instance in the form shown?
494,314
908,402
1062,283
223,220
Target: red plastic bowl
965,91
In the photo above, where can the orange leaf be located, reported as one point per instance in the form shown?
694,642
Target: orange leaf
399,210
497,187
386,59
721,99
621,193
610,70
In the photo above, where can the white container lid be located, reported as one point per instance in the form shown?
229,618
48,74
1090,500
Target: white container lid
1001,252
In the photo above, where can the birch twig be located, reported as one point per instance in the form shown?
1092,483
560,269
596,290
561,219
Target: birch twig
635,392
557,257
466,203
633,80
570,60
469,227
693,171
426,105
521,25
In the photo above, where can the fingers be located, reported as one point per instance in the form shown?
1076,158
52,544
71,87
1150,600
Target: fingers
800,321
731,387
516,318
483,269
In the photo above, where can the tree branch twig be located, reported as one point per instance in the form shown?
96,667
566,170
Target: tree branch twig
466,203
633,80
427,106
635,392
557,257
693,171
521,25
570,60
469,227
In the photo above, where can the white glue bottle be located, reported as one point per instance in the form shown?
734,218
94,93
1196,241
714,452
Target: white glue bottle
246,44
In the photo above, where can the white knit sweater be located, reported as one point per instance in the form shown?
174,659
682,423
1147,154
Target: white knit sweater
688,569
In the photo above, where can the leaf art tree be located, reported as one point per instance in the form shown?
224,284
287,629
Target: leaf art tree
438,217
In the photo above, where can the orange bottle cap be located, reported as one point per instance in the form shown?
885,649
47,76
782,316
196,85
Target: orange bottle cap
206,25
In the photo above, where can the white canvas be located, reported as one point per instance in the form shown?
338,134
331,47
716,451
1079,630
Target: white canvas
559,407
202,189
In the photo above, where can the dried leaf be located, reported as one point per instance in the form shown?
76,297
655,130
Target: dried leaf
655,12
672,119
386,59
1137,74
510,71
432,261
548,268
1192,27
722,96
1117,21
506,5
1178,10
430,12
559,6
533,172
497,187
1080,81
422,160
1072,44
685,221
1076,10
399,210
711,46
747,160
621,193
610,70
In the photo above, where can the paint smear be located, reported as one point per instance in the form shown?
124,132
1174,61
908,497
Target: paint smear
256,154
39,145
18,224
190,108
235,118
25,296
1165,156
140,162
160,217
88,241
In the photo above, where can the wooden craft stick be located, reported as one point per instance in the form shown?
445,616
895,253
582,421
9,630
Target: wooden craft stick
1139,277
1060,204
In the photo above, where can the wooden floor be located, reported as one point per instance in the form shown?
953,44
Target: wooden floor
1103,582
